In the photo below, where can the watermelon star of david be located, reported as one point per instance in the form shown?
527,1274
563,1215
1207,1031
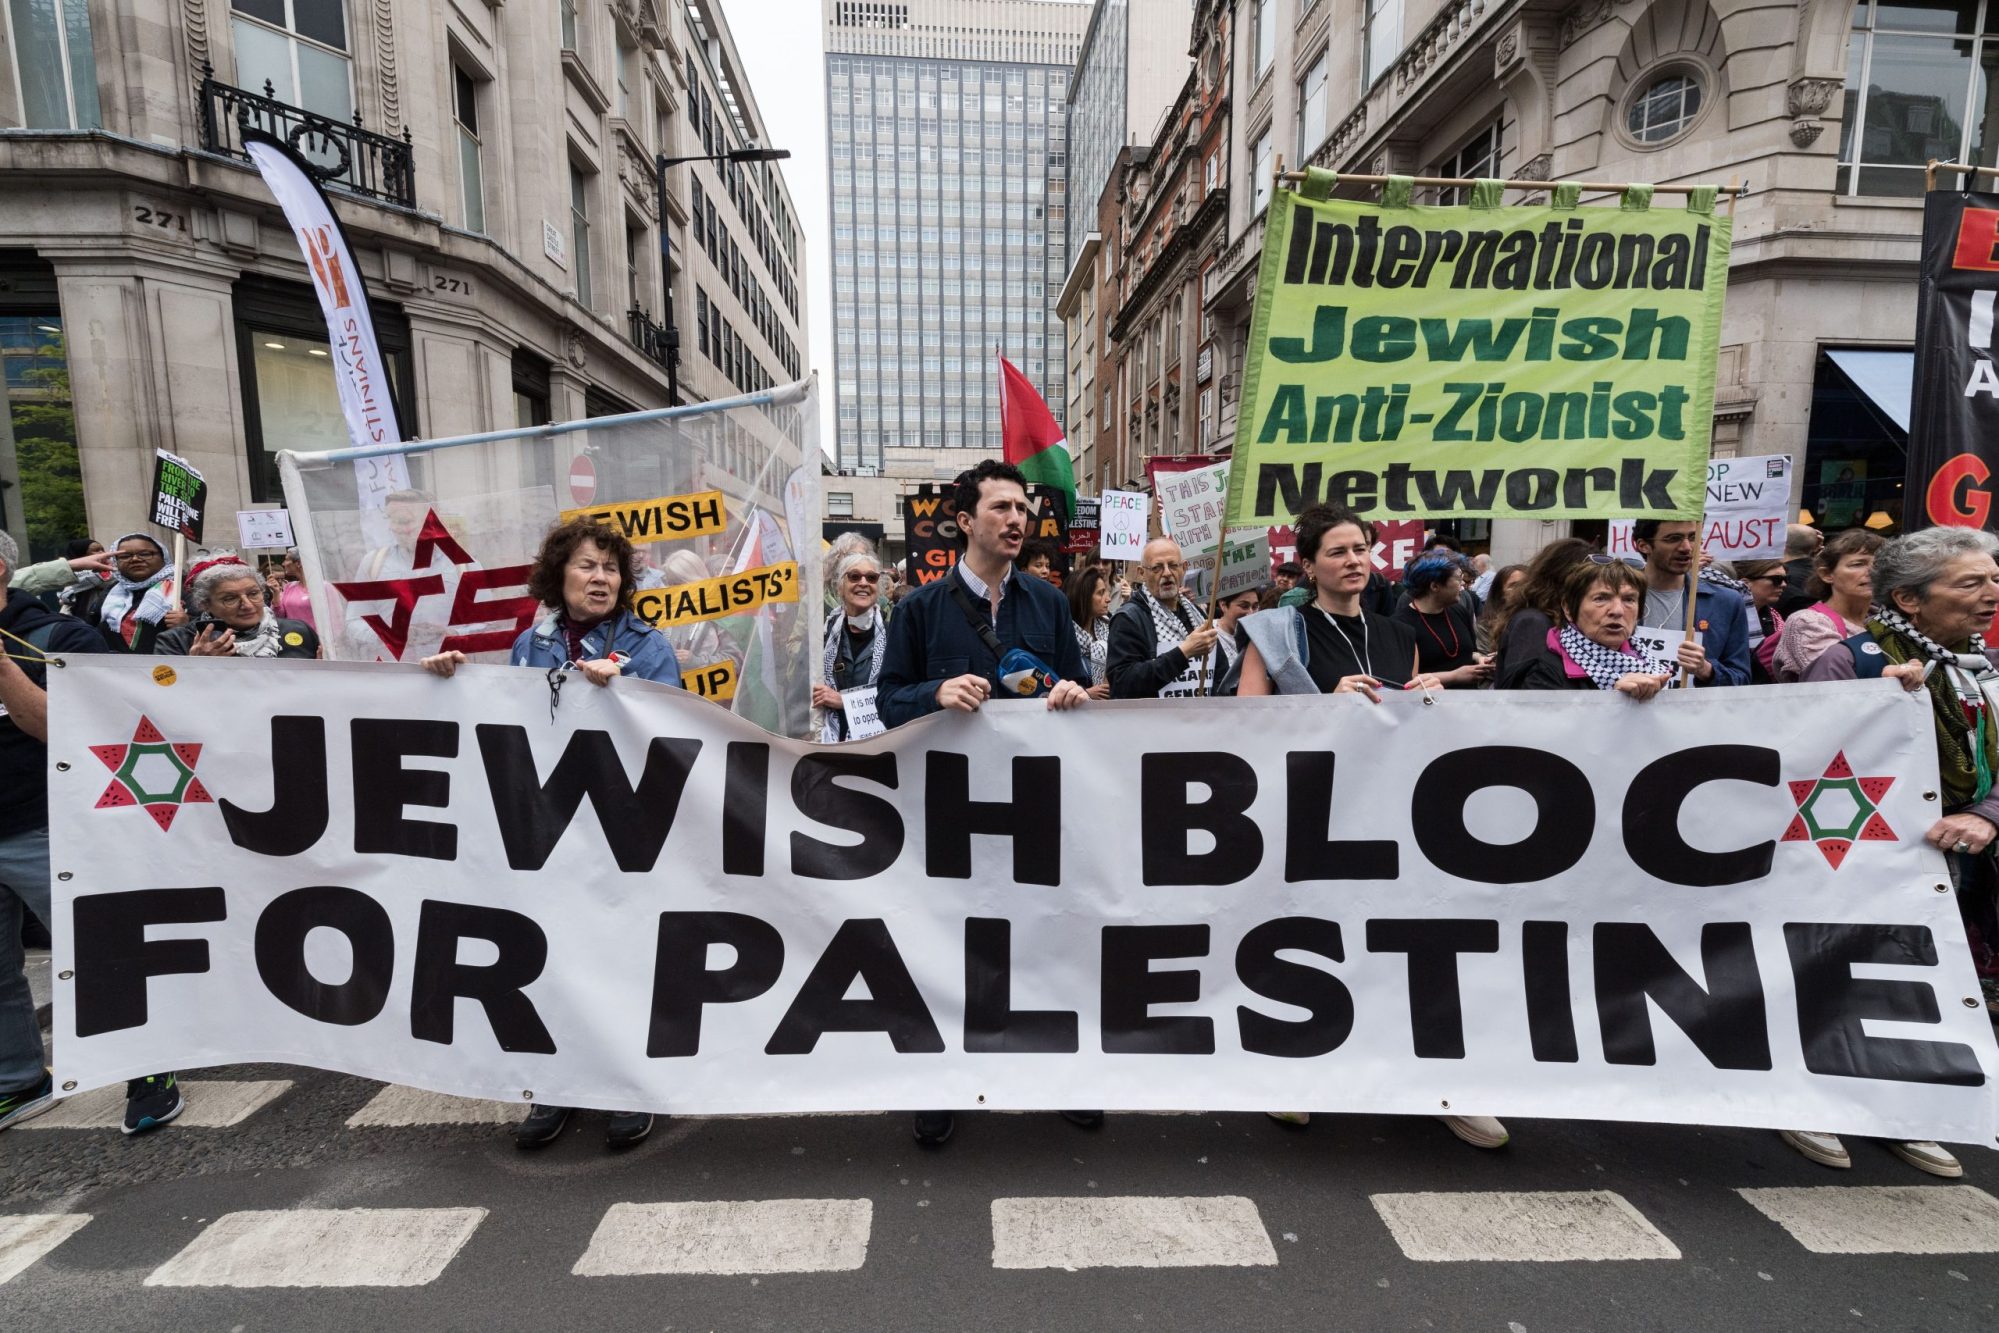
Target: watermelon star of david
1837,809
153,773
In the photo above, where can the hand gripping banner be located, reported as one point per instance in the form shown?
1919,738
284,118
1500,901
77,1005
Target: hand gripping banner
709,496
1727,916
1481,361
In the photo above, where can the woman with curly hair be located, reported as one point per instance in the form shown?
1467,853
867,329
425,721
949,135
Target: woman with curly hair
584,573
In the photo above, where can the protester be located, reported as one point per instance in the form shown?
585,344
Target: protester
584,575
1802,544
139,601
231,619
1766,581
1935,591
1446,632
1089,594
1505,590
1229,616
1535,609
1718,654
854,640
948,637
1037,557
293,601
1842,584
84,565
29,632
1158,616
1479,574
1338,646
1285,577
1591,649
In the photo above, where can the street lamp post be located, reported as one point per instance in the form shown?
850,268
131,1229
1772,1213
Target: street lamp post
660,164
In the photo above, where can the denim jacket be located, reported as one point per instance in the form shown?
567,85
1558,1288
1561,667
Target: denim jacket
648,655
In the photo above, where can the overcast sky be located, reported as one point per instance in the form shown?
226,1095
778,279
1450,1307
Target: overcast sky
783,55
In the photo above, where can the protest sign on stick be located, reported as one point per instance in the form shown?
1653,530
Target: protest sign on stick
1121,525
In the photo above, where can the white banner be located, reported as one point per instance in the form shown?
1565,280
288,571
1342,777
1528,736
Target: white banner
359,374
438,883
1748,504
1121,525
1191,506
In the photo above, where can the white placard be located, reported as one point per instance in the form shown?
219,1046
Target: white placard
1121,525
1191,507
1748,505
263,529
862,719
1705,922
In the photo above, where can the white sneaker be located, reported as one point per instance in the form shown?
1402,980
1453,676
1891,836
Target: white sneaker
1480,1131
1296,1119
1926,1156
1825,1149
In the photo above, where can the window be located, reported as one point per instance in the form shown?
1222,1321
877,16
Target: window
41,485
471,182
579,229
1259,174
569,29
1265,48
56,71
1477,160
300,47
1665,109
1383,40
839,504
1918,86
1312,107
635,248
628,78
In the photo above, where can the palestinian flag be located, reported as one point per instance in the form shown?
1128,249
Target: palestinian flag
1030,438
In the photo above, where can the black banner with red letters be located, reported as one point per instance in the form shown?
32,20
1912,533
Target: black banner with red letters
1954,411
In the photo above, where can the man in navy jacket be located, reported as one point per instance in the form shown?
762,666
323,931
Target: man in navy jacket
1719,652
936,657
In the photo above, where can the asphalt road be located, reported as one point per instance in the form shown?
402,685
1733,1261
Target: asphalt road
1196,1221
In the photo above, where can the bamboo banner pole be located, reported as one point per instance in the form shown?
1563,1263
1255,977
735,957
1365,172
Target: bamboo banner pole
1700,519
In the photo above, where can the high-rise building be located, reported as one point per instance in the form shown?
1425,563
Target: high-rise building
1133,61
946,128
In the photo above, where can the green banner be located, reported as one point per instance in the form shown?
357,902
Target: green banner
1481,362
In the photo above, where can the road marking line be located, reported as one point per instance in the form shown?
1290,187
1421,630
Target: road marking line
395,1106
26,1237
1884,1219
1534,1226
210,1105
762,1236
322,1247
1221,1231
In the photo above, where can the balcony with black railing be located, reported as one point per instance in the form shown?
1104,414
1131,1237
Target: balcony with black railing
343,156
654,343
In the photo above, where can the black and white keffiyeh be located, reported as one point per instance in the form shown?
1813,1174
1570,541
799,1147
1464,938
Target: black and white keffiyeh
1169,626
1970,669
260,642
837,626
1605,666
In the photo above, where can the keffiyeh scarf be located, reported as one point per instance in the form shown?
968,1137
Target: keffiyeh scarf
837,625
1967,737
263,641
147,599
1604,666
1168,628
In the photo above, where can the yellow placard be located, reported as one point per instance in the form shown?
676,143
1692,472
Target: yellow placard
715,681
670,518
712,599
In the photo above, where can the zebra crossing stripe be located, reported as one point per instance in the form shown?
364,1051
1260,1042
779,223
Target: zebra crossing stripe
764,1236
1884,1219
395,1106
1222,1231
26,1237
1520,1227
216,1104
322,1247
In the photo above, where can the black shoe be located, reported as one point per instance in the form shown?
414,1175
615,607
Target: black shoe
628,1128
933,1127
27,1103
542,1125
1087,1119
152,1101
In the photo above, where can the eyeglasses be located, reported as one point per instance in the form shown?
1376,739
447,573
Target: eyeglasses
137,555
855,577
1166,567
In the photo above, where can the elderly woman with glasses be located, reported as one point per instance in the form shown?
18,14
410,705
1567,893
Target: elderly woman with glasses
856,637
1935,593
232,618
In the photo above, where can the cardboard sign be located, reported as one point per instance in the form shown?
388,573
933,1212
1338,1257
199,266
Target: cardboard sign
263,529
180,495
1748,504
1121,525
1190,507
862,719
1082,536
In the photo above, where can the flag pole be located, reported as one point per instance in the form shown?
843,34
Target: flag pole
1700,519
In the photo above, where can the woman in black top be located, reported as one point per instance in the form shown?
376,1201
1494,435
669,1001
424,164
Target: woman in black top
1446,635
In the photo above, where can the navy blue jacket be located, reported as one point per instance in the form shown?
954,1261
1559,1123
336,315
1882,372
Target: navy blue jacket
931,640
1722,614
24,761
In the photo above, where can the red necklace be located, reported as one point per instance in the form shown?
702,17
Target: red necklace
1456,643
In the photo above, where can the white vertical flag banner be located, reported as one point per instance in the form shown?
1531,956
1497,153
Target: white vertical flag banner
358,370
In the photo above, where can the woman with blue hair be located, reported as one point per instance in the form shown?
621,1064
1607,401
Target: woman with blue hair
1446,634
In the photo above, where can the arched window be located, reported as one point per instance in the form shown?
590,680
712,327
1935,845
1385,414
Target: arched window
1665,108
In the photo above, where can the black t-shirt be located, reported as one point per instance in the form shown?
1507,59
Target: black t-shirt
1444,642
1366,644
856,656
24,761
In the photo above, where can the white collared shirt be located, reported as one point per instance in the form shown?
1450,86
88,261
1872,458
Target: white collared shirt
983,590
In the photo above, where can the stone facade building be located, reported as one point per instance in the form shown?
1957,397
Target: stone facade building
492,166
